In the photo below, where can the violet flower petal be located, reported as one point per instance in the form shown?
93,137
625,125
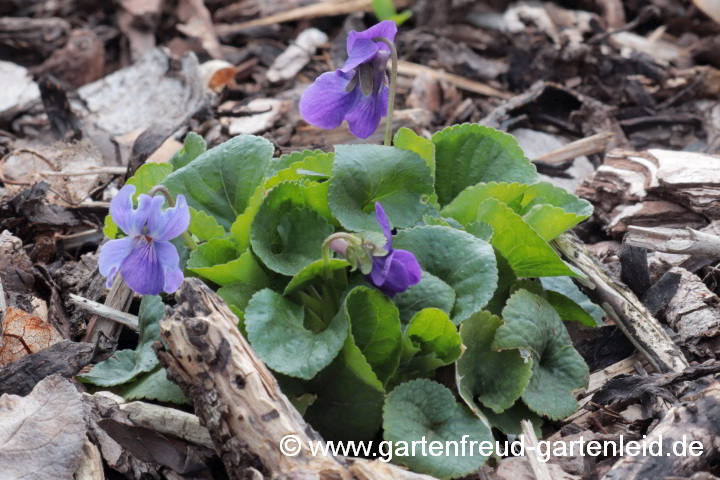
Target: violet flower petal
395,273
387,29
164,225
112,255
131,221
363,51
384,222
365,117
326,103
381,269
142,270
170,261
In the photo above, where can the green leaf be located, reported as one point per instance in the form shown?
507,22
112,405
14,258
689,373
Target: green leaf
110,230
544,193
568,310
548,209
193,147
430,292
406,139
402,17
219,261
314,167
464,207
276,331
153,385
424,410
506,279
549,221
508,421
437,338
238,296
375,324
349,398
383,9
240,229
469,154
364,174
284,161
481,230
312,272
125,365
285,238
222,180
567,287
457,258
147,176
531,323
528,254
478,368
204,226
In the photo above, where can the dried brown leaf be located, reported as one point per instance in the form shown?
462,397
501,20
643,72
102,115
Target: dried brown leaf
42,435
24,334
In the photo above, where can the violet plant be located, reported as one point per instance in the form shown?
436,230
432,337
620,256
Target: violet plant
355,321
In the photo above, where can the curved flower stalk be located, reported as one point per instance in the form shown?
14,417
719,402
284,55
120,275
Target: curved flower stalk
147,260
390,270
358,92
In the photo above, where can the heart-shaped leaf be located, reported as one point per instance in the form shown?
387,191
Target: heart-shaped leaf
222,180
365,174
567,287
430,292
314,271
349,397
193,147
219,261
549,210
276,331
204,226
422,410
406,139
459,259
238,296
469,154
528,254
437,340
477,369
558,369
508,421
375,324
125,365
286,236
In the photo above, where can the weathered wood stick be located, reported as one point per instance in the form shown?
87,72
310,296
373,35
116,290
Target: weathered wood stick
238,400
119,298
624,308
585,146
130,321
414,69
695,420
540,470
674,240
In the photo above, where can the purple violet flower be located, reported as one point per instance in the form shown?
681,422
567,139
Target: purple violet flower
399,269
147,260
358,92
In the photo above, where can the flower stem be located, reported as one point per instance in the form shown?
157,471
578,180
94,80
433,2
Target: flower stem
189,242
393,84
